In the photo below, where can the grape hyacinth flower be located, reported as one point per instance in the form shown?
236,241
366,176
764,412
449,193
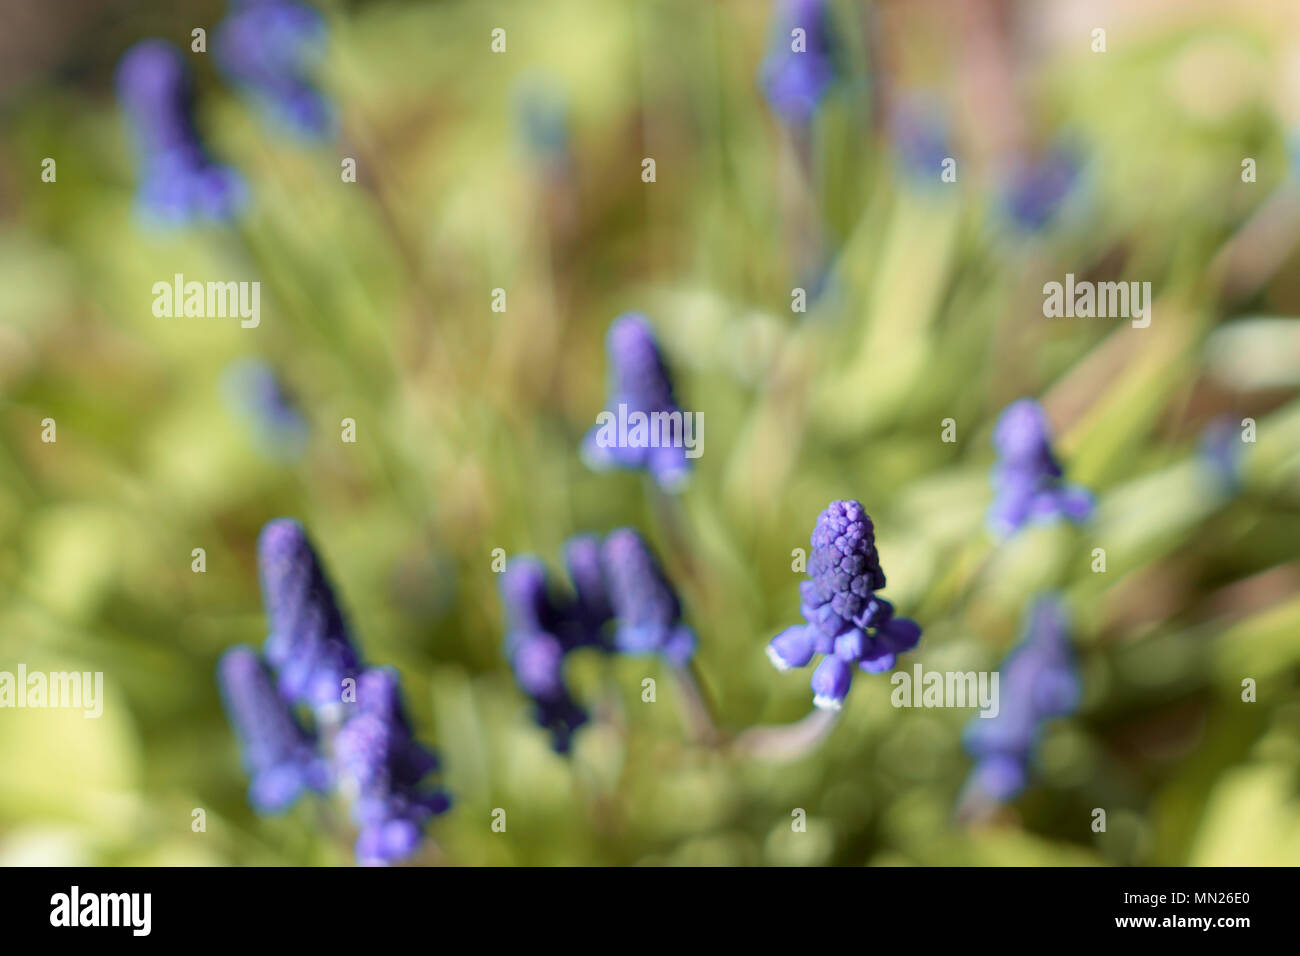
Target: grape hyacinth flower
179,182
1037,188
1027,478
846,620
381,768
639,383
543,628
1038,682
254,392
309,644
267,49
1220,451
279,755
800,67
647,613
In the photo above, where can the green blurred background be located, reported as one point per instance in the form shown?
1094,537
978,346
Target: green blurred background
376,306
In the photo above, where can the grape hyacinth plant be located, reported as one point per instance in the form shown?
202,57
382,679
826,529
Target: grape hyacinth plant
1027,477
1037,188
367,749
639,383
281,758
846,621
800,66
267,49
1038,682
542,628
179,181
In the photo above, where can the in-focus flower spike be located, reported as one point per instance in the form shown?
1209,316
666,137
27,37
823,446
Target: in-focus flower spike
1037,188
254,392
647,613
1038,682
279,755
1027,478
381,768
800,67
639,383
309,644
846,620
179,182
268,48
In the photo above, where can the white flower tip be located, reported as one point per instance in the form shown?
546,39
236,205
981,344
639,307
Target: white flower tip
827,703
777,661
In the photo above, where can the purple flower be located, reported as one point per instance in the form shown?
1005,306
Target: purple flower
1038,682
279,755
543,626
617,580
647,613
846,620
382,767
1027,477
179,182
639,386
920,137
255,393
1220,451
799,68
309,644
1037,188
267,48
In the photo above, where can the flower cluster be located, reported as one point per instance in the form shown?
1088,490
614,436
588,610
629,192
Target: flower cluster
267,48
846,620
179,182
1027,478
617,600
374,758
1038,682
639,383
800,67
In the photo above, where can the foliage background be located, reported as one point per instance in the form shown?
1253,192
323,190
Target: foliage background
376,306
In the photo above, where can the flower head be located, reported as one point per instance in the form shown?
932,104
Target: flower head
309,644
845,619
1038,187
279,755
1027,477
800,67
179,182
1038,682
639,383
646,610
267,49
382,768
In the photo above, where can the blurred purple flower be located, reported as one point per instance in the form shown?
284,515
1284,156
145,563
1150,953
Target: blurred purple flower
799,69
1038,187
267,48
254,392
1038,682
647,613
846,620
1027,478
639,382
309,644
544,626
381,767
1221,450
179,182
279,756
